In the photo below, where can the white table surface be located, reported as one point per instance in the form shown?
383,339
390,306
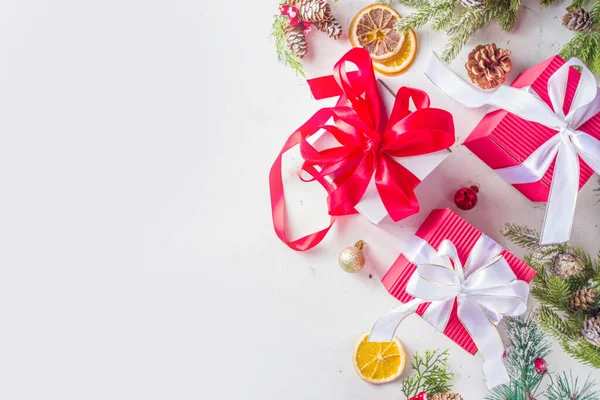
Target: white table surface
138,256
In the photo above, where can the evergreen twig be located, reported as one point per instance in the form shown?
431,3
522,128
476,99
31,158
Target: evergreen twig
526,343
563,386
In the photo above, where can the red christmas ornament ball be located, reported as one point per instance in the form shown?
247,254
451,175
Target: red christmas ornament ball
540,366
422,396
466,198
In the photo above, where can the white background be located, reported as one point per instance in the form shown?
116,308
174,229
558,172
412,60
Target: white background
138,256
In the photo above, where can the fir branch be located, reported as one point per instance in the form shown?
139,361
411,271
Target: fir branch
409,3
284,54
552,323
563,387
583,351
431,374
507,19
575,4
522,235
595,12
469,22
438,11
585,45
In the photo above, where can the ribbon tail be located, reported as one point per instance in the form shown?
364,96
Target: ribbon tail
487,339
563,196
385,327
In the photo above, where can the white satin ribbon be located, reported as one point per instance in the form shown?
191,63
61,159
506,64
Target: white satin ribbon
486,290
565,146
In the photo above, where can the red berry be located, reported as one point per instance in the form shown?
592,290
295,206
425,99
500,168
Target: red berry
284,9
540,366
294,21
413,398
306,25
422,396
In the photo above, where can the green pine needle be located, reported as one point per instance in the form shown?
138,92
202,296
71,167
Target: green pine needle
563,386
431,374
575,4
284,54
586,45
507,19
522,235
552,323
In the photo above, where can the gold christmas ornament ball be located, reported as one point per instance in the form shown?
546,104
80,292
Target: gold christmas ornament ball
352,259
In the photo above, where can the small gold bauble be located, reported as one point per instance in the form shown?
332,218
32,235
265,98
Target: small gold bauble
352,259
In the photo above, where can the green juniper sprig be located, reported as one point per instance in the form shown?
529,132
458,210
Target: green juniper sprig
431,374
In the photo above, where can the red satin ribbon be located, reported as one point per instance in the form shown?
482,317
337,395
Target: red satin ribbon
368,141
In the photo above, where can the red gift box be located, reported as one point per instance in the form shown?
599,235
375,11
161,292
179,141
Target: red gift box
440,225
502,139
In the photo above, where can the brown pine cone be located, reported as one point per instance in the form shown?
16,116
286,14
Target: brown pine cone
447,396
568,265
591,331
578,20
583,299
331,28
312,10
296,40
488,65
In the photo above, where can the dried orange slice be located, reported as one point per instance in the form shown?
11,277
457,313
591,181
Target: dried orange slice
379,362
374,28
400,62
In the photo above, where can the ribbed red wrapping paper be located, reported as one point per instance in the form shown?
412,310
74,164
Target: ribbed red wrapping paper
503,140
440,225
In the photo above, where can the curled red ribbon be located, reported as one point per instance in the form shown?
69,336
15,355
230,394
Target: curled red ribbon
368,141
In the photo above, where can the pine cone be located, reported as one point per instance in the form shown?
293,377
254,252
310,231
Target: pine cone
583,299
591,331
472,3
312,10
331,28
568,265
578,20
296,40
488,65
447,396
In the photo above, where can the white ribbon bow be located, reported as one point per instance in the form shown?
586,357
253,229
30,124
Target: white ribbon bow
565,146
486,290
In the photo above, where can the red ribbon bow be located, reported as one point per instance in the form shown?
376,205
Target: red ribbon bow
365,150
